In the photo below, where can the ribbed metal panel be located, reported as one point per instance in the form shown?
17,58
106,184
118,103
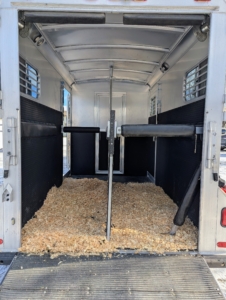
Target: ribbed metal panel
167,277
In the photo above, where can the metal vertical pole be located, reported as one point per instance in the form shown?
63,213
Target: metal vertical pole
111,76
110,159
110,179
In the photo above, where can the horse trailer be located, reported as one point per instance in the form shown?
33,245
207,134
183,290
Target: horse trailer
122,101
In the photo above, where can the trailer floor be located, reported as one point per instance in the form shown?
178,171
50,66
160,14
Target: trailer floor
121,277
72,220
116,178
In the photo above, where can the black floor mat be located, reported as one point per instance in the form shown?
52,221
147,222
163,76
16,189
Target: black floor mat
121,277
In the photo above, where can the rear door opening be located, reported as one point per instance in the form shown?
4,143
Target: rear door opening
142,67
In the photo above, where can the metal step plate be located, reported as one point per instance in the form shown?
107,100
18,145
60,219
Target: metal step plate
121,277
5,262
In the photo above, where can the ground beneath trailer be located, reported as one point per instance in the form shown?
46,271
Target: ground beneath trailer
73,220
121,277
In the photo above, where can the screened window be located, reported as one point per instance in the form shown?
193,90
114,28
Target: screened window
29,79
195,82
153,106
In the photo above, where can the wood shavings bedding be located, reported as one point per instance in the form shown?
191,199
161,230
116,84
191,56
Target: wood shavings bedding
72,220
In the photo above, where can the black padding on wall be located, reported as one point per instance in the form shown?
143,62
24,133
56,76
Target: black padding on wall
42,165
82,153
37,129
176,160
36,112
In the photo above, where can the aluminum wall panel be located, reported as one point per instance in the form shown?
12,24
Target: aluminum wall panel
112,34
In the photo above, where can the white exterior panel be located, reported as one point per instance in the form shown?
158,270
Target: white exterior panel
184,6
11,234
209,215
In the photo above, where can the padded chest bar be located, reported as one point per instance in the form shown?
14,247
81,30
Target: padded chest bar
158,130
82,129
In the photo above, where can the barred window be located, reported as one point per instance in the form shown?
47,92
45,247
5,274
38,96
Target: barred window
29,79
153,106
195,82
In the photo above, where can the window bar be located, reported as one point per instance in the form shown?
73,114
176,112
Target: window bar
196,84
195,77
194,92
37,76
30,70
25,80
30,89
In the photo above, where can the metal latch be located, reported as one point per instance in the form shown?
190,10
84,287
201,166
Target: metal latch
198,131
11,158
117,130
211,150
7,194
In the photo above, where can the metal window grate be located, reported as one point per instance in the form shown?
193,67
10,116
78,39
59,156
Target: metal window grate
153,106
195,82
29,79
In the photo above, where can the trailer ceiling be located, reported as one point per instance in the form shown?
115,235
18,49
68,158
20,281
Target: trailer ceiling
136,52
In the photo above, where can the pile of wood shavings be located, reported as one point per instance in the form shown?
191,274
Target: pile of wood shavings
72,220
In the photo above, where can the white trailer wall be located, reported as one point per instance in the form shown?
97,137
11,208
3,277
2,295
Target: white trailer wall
50,94
83,97
172,82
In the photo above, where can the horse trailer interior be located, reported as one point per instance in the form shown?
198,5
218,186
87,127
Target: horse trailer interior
112,130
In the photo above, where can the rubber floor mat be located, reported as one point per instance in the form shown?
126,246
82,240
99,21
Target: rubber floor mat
119,277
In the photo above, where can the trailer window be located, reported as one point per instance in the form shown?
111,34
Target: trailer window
195,82
153,106
29,79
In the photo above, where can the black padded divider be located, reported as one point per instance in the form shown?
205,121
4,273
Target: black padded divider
176,160
42,164
139,156
103,152
82,153
82,129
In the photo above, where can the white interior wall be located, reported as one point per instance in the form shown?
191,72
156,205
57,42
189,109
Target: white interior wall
49,79
172,82
83,98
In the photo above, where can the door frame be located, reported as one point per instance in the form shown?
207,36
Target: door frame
97,136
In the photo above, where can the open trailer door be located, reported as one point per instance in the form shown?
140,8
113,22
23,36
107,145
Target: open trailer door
10,204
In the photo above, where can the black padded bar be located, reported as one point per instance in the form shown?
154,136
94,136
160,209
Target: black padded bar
163,19
64,18
158,130
186,203
82,129
38,130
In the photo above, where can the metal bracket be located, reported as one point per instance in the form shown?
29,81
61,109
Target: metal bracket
119,131
11,158
7,194
112,133
198,130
